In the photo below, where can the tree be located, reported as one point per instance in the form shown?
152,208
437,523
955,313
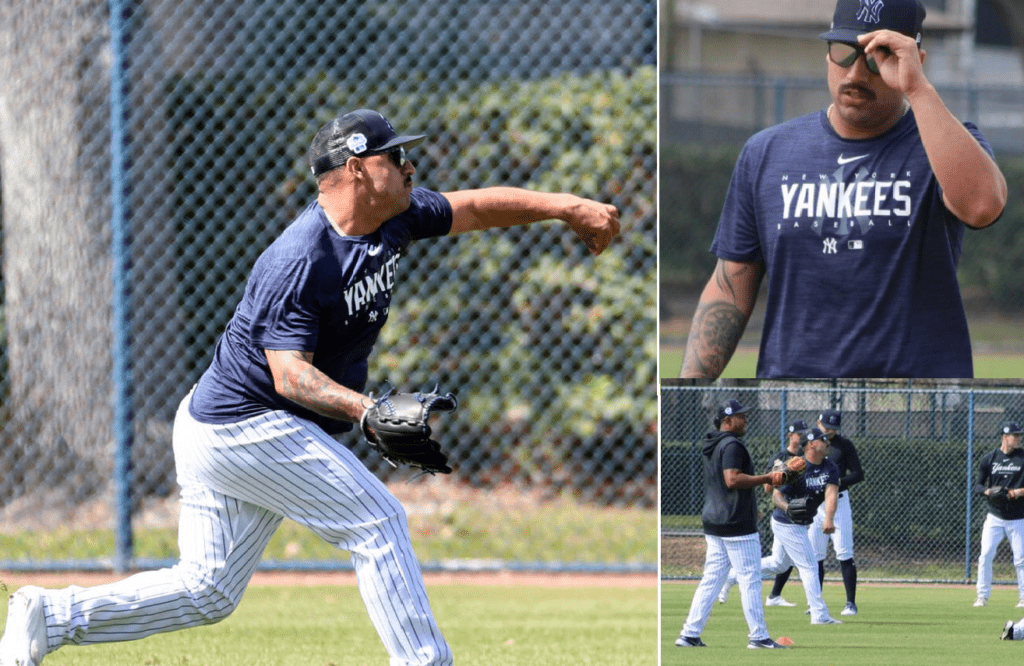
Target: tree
56,262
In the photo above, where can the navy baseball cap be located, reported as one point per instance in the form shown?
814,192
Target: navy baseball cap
831,418
799,426
1010,428
359,133
856,17
815,433
729,408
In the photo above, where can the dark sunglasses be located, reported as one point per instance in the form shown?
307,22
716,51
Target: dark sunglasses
397,156
844,55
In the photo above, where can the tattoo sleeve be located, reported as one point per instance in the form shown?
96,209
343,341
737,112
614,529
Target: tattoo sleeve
720,319
297,379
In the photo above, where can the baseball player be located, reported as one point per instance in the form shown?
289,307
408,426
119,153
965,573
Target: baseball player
882,182
817,487
795,435
1001,481
843,453
729,518
254,441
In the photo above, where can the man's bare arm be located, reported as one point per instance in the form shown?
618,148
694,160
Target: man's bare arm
722,315
295,378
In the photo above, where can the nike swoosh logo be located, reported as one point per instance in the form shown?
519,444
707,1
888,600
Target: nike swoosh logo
847,160
374,251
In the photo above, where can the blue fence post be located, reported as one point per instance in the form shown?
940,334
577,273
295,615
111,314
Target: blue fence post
780,101
784,415
120,213
967,513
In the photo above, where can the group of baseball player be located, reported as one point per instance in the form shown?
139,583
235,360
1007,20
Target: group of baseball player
807,514
811,508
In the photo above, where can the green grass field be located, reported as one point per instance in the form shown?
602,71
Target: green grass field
743,364
328,626
896,625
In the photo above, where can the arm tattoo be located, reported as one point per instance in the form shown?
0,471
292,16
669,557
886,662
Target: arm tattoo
714,334
719,323
304,384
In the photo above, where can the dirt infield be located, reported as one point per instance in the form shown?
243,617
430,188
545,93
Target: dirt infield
14,580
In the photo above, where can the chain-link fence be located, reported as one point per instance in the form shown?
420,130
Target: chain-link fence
915,515
153,148
699,107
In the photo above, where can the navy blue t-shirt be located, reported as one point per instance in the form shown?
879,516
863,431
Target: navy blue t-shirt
859,249
312,290
811,484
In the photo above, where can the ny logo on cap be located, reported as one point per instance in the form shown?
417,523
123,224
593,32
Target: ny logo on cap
870,11
728,411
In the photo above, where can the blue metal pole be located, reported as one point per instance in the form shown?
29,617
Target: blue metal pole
119,12
970,457
784,415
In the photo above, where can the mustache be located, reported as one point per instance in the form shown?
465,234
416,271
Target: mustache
847,87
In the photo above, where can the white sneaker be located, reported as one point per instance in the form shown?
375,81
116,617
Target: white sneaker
828,620
1007,634
24,641
980,601
849,609
777,601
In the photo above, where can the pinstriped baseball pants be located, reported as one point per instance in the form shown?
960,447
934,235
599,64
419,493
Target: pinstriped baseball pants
237,482
744,555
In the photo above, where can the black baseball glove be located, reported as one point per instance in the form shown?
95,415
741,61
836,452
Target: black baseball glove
998,496
801,510
397,426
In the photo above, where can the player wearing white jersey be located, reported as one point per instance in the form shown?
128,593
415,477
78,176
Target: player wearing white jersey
1001,481
254,440
729,518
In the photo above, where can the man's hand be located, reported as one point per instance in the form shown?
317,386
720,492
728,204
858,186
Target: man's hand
828,526
898,58
595,223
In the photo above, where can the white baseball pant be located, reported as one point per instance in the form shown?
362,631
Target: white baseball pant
992,533
842,538
744,555
237,482
792,546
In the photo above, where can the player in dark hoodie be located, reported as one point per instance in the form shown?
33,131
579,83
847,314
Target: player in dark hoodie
730,528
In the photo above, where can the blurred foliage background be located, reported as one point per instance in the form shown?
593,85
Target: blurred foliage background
553,351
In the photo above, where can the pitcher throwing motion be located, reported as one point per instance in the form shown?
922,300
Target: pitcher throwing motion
254,440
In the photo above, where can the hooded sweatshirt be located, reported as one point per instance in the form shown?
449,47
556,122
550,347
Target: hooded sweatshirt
727,513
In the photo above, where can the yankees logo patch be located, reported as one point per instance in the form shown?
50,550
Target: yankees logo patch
830,246
356,143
